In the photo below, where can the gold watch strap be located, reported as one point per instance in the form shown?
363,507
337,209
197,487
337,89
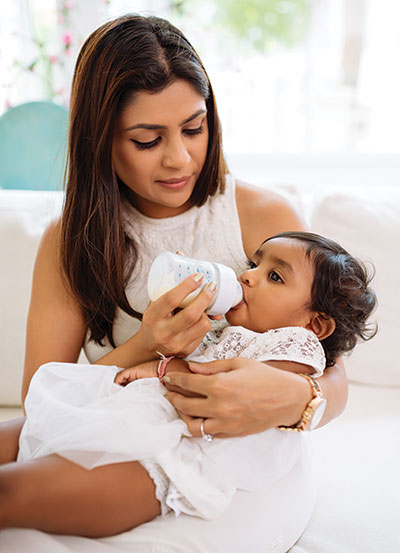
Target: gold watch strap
307,413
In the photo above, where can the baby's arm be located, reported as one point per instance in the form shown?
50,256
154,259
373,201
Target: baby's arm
294,349
291,366
149,370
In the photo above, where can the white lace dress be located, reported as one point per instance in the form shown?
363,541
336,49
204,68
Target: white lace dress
78,412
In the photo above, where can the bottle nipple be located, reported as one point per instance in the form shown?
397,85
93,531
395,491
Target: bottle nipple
238,297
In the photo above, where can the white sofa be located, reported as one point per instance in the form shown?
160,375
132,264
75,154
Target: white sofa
358,507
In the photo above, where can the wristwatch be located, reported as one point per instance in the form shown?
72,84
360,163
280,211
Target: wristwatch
314,410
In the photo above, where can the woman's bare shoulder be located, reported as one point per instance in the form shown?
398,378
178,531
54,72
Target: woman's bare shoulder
49,265
51,239
263,213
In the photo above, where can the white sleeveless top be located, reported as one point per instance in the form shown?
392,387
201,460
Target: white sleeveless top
210,232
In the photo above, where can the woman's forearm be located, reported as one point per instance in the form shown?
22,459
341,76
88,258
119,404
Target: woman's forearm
335,390
244,396
130,353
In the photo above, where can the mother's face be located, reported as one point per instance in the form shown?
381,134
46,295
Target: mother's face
160,146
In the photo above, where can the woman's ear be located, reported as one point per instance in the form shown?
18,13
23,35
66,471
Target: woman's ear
322,325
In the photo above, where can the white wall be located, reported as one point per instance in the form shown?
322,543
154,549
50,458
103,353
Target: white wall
312,171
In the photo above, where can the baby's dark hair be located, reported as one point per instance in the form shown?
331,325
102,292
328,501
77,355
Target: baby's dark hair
340,290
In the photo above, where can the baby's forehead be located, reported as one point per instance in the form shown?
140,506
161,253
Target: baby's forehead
284,244
287,251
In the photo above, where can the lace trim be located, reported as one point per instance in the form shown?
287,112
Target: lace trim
282,344
161,482
169,496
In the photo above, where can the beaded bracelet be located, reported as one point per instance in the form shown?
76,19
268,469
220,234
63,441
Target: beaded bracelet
162,365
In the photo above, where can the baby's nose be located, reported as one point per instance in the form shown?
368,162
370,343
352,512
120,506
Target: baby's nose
246,278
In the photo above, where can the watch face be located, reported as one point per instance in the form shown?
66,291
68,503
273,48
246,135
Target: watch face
319,410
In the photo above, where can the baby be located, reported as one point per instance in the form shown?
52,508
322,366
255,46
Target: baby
306,301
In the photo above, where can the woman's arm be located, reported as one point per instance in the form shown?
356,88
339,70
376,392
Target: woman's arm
56,327
244,396
164,331
263,213
335,389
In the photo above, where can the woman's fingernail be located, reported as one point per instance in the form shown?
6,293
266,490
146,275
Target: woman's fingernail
166,379
198,277
212,286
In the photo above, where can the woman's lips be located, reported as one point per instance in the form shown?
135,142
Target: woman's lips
175,184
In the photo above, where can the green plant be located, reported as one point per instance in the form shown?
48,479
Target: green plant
260,24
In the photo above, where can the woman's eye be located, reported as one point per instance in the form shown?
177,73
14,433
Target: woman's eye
146,145
191,132
273,275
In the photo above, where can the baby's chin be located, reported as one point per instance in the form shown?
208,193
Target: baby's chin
230,318
234,318
237,318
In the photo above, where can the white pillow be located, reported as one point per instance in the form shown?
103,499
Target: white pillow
23,217
367,224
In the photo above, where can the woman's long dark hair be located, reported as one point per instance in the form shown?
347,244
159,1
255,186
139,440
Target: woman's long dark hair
127,55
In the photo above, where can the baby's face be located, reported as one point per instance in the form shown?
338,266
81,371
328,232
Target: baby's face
276,288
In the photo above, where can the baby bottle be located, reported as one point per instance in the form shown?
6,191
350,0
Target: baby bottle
169,269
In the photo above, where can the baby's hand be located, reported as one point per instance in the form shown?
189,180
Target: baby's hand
145,370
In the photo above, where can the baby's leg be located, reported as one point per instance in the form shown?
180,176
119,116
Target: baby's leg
9,438
58,496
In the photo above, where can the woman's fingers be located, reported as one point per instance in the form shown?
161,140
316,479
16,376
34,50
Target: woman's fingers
193,312
190,406
247,400
162,330
210,426
215,317
196,383
172,299
215,367
177,333
194,423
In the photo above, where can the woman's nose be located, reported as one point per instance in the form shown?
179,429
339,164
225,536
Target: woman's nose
176,155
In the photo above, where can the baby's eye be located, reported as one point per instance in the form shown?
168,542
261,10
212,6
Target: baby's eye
273,275
251,264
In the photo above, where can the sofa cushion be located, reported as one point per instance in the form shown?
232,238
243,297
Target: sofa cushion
356,457
367,224
23,218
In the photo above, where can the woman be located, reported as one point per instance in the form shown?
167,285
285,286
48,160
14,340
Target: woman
146,174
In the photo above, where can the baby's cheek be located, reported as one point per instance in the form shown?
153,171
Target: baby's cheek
234,318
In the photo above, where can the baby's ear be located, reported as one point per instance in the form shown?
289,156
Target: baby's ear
322,325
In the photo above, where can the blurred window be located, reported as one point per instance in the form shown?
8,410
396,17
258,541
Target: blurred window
290,76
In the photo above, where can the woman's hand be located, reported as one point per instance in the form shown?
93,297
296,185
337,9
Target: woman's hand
241,396
177,333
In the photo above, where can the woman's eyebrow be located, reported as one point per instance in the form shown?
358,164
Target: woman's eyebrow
153,127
